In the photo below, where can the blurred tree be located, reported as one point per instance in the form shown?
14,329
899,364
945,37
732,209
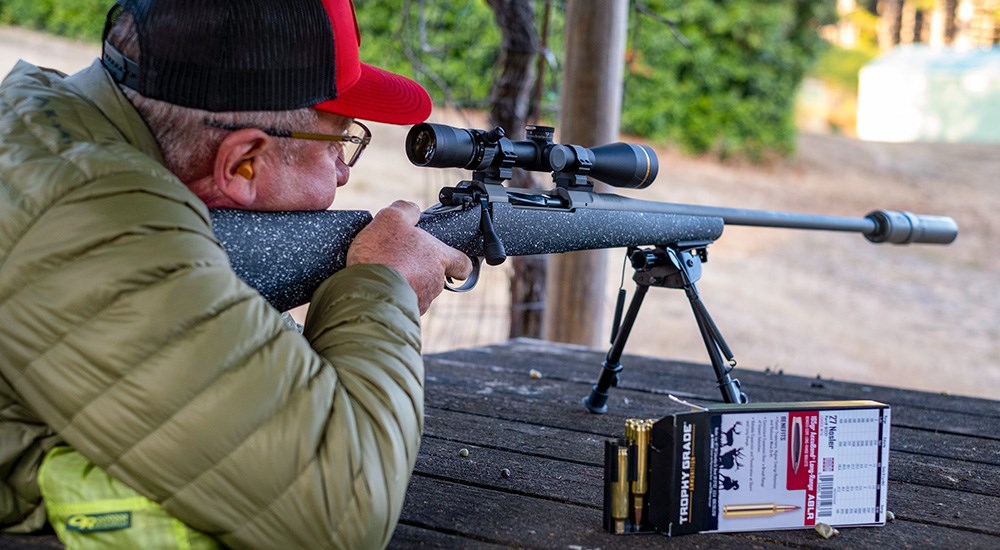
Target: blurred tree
890,14
512,106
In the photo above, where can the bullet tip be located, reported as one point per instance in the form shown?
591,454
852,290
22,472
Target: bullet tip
637,511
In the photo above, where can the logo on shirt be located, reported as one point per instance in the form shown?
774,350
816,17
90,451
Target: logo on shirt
110,521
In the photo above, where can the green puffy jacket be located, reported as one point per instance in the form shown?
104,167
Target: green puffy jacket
124,333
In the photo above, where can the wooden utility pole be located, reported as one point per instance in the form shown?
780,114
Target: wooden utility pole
589,115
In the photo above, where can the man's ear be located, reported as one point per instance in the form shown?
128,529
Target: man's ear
237,161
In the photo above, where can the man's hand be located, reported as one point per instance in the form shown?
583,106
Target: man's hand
393,239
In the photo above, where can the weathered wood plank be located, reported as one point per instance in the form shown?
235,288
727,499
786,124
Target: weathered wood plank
649,374
527,475
945,445
520,521
409,536
465,428
944,507
583,364
945,473
895,534
514,520
911,409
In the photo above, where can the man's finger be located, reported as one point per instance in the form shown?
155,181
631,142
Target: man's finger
457,264
405,212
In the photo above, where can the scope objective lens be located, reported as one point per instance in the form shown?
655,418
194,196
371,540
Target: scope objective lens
423,147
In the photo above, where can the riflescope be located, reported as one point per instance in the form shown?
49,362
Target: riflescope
617,164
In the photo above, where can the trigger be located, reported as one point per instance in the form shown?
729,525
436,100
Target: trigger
470,281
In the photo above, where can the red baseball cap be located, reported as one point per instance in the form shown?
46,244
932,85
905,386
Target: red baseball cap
364,91
259,55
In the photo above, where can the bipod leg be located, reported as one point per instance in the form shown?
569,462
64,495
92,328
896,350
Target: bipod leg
597,401
710,334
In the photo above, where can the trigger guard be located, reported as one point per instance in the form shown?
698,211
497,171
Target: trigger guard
470,281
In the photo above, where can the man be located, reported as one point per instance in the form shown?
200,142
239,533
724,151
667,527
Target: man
128,344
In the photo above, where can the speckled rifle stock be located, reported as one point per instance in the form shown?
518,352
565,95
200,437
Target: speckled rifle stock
286,255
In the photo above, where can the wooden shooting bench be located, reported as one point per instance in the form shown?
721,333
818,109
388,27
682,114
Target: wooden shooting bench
533,475
944,463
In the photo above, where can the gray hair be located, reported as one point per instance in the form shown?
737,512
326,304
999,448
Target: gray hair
187,144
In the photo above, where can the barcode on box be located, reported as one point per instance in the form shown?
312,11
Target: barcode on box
826,496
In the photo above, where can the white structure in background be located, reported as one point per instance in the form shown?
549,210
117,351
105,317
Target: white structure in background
922,93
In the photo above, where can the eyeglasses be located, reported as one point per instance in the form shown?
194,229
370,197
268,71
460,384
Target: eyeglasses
353,140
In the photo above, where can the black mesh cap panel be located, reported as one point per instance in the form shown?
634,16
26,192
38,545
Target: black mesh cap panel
235,55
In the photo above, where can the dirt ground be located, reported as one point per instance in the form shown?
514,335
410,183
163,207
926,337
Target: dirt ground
809,303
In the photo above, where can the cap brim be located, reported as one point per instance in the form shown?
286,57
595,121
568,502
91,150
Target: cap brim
381,96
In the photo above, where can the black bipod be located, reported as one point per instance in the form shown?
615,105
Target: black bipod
671,266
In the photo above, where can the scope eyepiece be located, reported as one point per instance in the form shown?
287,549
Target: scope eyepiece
442,146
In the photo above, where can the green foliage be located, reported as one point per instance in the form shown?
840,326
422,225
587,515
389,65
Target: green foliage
840,66
732,92
26,13
451,47
77,19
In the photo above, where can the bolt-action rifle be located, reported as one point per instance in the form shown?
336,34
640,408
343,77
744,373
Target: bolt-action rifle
286,255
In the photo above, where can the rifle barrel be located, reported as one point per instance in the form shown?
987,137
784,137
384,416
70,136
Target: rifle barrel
880,226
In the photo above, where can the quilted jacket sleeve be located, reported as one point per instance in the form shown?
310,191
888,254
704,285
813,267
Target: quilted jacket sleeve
136,343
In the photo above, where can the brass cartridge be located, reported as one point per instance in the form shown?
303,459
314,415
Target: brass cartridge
619,492
637,434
